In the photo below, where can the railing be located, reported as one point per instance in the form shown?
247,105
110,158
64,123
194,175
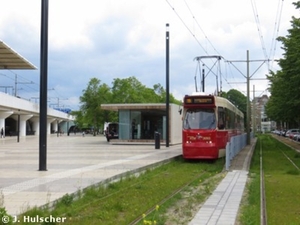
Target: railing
236,144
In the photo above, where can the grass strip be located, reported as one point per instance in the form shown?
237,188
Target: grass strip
123,201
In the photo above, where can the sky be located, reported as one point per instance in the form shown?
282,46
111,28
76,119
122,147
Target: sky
119,39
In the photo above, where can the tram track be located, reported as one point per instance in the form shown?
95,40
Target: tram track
263,206
291,161
137,220
263,199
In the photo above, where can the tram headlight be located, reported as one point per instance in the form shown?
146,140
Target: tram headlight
188,100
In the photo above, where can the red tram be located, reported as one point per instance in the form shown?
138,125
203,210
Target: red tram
208,124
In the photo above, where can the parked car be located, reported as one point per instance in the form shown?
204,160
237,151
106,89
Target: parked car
290,133
296,137
276,132
282,133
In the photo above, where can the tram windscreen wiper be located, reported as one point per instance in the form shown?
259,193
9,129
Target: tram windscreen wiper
187,124
213,122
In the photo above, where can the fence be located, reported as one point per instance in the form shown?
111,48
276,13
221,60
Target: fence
236,144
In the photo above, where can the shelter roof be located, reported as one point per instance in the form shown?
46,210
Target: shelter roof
10,59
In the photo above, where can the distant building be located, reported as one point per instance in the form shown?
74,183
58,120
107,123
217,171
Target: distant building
260,120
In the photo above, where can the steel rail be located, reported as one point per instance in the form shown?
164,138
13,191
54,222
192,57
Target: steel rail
263,205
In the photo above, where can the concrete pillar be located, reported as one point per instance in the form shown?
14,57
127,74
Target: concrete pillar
55,126
49,121
64,126
3,116
58,123
23,119
36,125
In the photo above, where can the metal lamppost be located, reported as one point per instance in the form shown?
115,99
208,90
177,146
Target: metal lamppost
43,88
167,85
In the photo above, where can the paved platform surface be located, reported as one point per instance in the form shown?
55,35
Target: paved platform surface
73,163
76,162
223,205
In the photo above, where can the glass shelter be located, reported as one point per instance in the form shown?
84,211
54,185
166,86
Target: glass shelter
139,122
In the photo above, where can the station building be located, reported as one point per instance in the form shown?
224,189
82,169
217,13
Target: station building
139,122
19,116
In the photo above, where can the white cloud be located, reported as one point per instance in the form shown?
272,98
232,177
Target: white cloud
110,39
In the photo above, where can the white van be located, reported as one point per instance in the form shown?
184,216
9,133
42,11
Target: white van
111,130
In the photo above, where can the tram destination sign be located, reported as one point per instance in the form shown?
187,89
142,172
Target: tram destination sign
199,100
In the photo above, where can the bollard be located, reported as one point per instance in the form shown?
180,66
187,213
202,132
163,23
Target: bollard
157,140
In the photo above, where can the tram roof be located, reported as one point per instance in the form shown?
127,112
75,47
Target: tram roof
10,59
135,106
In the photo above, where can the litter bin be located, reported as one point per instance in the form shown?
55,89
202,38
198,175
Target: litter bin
157,140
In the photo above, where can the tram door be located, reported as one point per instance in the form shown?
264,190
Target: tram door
222,134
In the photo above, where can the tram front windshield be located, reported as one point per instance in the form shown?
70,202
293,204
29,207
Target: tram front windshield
199,119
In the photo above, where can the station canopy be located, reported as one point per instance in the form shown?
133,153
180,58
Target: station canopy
10,59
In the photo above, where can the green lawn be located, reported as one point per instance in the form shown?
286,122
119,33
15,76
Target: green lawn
282,184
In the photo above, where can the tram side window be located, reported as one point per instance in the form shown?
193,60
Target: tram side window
230,119
227,119
242,123
238,122
221,118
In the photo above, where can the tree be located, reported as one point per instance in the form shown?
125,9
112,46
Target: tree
127,90
238,99
285,83
93,96
131,90
162,94
277,106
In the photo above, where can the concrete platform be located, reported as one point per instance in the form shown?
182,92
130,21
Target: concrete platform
73,162
223,205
